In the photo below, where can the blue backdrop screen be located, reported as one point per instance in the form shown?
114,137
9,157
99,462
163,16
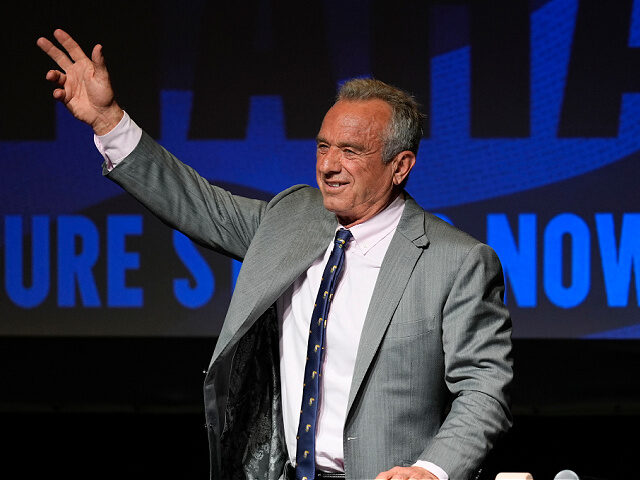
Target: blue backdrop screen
531,144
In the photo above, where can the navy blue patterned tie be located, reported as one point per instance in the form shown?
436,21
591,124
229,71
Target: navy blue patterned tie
306,450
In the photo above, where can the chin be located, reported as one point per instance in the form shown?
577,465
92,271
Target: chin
330,205
333,206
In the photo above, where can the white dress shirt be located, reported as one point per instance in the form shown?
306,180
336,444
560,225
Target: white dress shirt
363,258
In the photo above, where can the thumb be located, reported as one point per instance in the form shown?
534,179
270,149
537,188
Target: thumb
98,58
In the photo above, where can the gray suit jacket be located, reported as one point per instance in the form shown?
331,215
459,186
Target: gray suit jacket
433,364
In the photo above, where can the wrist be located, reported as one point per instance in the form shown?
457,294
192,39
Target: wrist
107,119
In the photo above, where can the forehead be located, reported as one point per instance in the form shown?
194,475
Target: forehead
365,118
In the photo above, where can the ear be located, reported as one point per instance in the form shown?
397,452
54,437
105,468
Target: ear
402,165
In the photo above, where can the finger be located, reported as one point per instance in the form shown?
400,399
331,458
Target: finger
59,94
57,77
55,53
70,45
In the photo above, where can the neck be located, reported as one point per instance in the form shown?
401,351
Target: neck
348,222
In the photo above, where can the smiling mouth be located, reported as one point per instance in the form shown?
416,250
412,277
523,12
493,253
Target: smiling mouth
334,184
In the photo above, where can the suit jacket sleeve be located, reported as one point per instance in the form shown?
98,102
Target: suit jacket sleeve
182,199
476,336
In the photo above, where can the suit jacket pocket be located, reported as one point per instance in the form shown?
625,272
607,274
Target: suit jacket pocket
410,329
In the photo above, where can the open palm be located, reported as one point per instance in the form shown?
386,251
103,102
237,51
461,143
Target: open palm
83,84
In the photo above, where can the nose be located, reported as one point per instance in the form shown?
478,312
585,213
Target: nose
328,162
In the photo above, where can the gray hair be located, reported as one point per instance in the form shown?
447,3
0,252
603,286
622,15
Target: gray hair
405,127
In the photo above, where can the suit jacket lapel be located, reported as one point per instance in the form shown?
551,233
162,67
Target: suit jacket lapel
301,250
406,247
301,241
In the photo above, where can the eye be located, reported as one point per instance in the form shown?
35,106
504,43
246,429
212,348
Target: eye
322,147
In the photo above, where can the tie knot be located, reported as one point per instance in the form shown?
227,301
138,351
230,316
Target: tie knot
342,236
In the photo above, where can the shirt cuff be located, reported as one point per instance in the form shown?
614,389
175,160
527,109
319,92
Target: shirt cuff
433,468
117,144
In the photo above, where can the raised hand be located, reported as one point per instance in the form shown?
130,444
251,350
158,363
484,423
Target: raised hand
83,84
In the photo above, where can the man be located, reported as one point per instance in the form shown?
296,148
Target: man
413,361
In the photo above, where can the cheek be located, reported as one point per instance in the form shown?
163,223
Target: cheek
374,181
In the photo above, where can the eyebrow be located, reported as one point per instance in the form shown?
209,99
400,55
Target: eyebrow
355,146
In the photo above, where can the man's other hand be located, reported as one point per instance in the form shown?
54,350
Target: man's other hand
83,84
406,473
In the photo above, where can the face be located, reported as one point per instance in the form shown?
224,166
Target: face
354,182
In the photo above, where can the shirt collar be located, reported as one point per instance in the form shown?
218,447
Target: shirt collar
368,234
